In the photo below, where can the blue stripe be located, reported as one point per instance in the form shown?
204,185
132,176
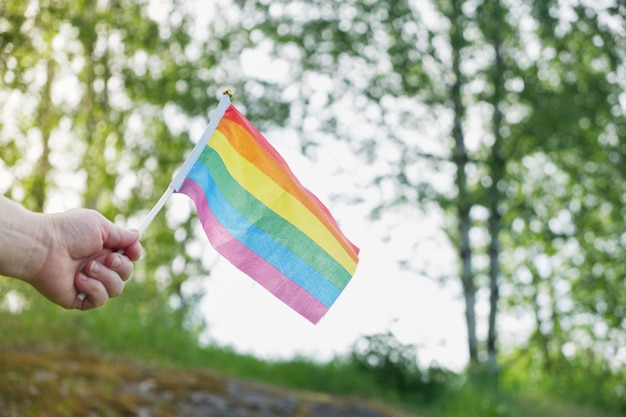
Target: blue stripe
261,243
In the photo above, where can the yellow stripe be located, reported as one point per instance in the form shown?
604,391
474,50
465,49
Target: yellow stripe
283,203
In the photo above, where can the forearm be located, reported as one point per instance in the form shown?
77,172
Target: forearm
22,240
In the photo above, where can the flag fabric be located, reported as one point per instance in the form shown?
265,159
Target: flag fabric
257,214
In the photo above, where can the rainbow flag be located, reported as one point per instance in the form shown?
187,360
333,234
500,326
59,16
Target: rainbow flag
258,215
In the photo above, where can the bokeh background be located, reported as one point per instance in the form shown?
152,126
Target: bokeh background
473,149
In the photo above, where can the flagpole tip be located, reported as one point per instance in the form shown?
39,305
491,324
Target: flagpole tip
229,92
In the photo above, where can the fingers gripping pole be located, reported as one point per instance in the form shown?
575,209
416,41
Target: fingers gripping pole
144,224
186,167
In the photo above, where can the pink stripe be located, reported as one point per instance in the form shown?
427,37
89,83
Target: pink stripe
249,262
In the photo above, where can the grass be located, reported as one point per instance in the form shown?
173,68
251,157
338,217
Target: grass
138,329
128,329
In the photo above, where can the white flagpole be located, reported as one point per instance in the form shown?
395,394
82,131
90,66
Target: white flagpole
155,210
177,182
180,176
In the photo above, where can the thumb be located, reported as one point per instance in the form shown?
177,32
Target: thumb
116,238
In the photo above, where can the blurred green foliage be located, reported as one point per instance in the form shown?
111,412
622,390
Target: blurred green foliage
518,109
95,93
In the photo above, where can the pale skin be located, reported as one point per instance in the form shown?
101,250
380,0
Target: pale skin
66,254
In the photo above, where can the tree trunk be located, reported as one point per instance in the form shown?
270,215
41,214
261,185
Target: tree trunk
497,168
539,334
39,191
464,204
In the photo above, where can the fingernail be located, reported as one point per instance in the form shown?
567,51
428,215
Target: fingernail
116,262
95,268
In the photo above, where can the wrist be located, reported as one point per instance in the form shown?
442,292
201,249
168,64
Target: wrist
26,236
37,248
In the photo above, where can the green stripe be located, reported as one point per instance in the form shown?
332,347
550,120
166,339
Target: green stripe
271,223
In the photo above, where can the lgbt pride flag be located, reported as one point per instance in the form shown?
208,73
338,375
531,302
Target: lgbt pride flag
258,215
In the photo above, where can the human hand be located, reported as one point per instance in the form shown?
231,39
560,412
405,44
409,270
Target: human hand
83,258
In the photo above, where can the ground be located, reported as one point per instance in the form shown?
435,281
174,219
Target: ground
46,381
